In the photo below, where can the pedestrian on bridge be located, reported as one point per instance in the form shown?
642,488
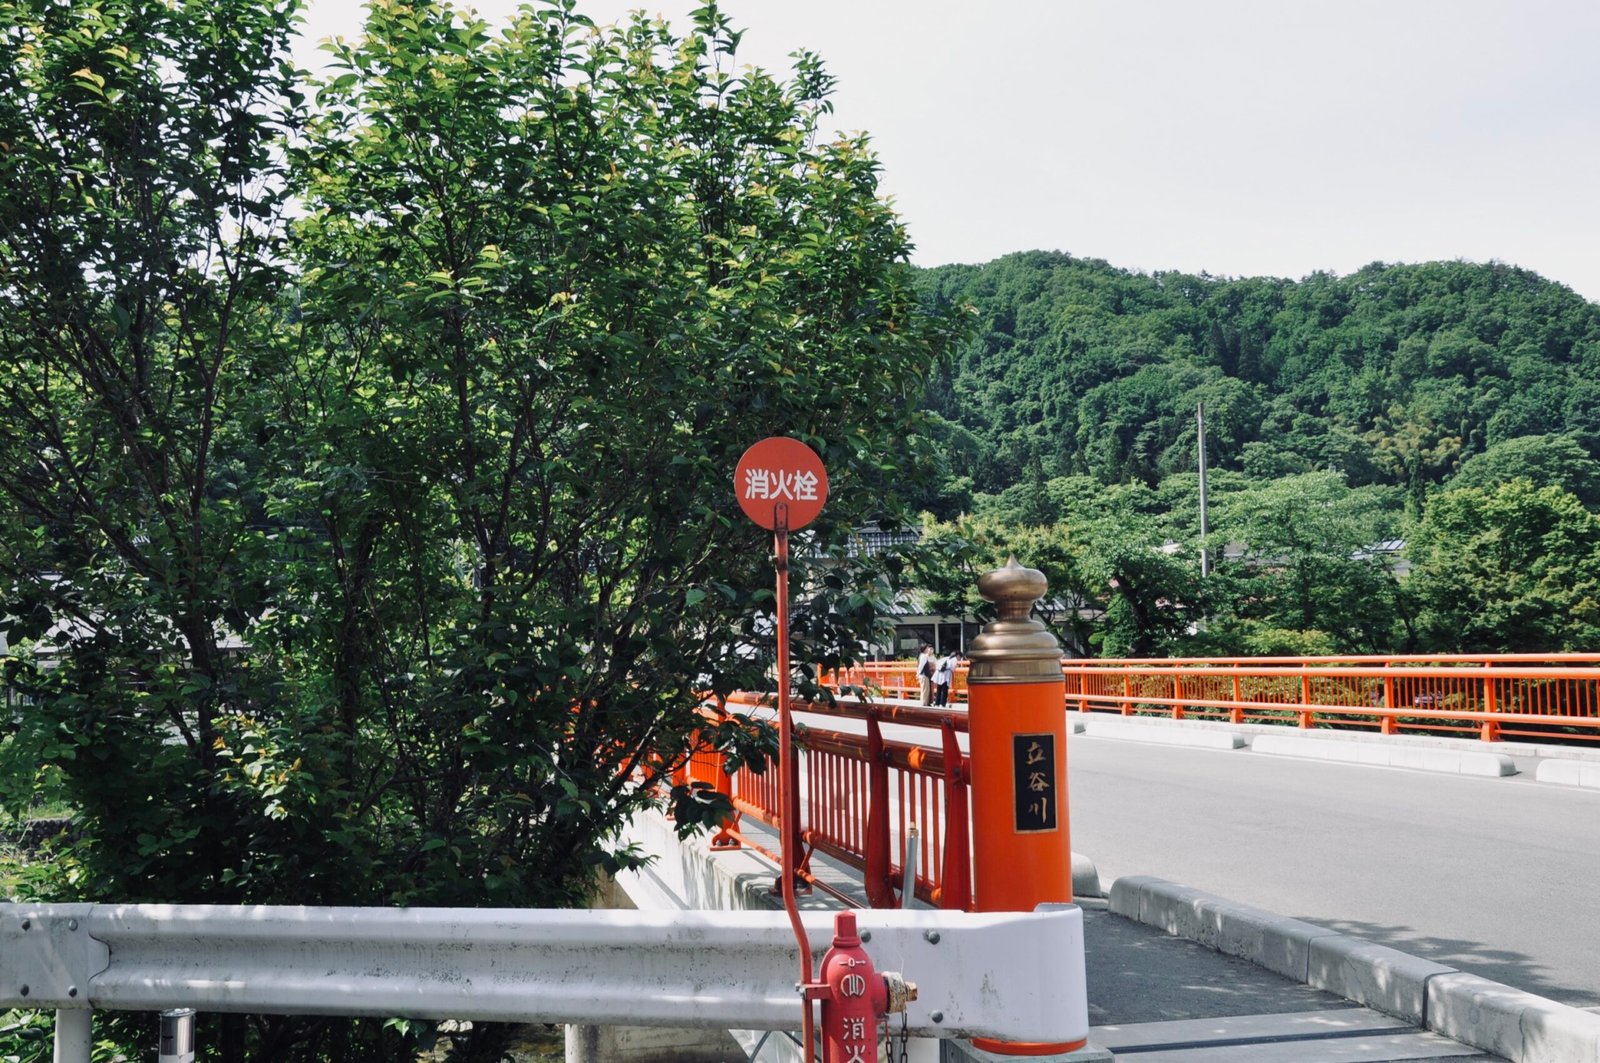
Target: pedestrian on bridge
926,666
943,674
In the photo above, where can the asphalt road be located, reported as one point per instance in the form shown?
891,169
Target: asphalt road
1499,877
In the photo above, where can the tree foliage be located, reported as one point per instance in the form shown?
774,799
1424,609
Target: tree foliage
1335,408
370,556
1313,568
1513,568
1547,461
1391,375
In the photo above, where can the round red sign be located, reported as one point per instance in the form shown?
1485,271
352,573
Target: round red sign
779,471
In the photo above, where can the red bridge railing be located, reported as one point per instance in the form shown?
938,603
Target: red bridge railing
1506,697
866,798
1517,696
862,793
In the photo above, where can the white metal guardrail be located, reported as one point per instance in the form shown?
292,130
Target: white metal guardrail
1011,976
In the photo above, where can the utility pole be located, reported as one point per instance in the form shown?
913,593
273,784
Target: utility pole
1200,425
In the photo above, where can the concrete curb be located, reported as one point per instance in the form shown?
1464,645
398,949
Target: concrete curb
1520,1026
1457,762
1085,877
1281,945
1511,1023
1155,732
1568,773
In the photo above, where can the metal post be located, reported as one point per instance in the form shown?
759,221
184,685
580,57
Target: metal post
587,1044
1200,427
74,1035
177,1036
908,888
1490,731
789,771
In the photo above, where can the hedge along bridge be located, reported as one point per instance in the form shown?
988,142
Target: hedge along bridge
1548,697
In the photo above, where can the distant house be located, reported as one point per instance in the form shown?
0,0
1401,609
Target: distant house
915,622
1391,551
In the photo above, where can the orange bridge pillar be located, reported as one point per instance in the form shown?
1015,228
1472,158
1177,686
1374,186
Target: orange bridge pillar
1017,742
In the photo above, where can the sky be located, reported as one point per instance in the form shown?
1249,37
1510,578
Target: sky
1236,137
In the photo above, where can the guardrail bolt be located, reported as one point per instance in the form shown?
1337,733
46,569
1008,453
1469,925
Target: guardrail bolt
72,924
27,923
866,936
24,990
72,991
932,936
937,1016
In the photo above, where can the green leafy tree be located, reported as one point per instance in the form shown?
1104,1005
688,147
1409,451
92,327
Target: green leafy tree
371,559
141,260
1313,572
1548,461
1393,374
140,264
1509,569
952,556
1155,598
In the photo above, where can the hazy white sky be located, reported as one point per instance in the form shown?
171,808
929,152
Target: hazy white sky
1242,137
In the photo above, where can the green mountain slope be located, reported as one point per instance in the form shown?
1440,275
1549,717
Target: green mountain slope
1393,374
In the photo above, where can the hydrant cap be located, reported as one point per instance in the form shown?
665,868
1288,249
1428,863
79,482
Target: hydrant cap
844,930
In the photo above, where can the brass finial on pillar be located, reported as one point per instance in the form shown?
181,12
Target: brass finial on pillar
1014,648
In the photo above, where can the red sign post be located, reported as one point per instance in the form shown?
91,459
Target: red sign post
782,486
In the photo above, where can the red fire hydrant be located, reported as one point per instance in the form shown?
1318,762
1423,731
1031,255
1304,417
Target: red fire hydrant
854,996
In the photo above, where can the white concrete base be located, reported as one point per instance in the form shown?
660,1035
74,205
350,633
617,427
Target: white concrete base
1163,733
1509,1022
1569,773
1382,754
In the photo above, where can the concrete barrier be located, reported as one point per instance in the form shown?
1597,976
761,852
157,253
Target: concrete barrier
1384,979
1509,1022
1281,945
1163,733
1568,773
1382,754
1518,1025
1085,877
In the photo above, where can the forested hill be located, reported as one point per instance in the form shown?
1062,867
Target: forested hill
1393,374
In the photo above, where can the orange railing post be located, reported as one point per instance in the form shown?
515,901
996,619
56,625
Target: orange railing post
956,889
1016,732
1387,726
1491,727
